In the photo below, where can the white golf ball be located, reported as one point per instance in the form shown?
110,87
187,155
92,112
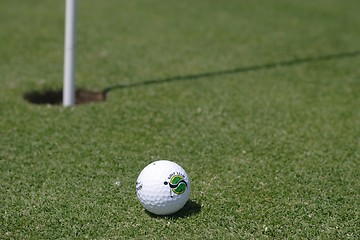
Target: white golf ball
163,187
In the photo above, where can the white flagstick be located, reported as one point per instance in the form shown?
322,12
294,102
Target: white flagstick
69,53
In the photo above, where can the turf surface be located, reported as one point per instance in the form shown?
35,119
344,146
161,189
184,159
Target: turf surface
258,100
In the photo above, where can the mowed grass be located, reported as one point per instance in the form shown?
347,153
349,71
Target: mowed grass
272,149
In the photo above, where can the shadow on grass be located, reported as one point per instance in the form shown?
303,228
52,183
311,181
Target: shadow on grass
190,208
254,68
54,97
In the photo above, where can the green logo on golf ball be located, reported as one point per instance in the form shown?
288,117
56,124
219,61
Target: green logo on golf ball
177,184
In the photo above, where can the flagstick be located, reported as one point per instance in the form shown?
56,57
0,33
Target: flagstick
69,53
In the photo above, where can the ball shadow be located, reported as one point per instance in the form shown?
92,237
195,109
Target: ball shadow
191,208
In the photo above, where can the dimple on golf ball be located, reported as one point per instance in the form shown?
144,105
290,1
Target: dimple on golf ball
163,187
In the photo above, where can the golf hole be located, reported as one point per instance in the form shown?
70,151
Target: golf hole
54,97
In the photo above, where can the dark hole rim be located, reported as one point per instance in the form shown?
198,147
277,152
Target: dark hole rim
55,97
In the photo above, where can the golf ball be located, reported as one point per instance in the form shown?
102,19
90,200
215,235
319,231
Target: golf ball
163,187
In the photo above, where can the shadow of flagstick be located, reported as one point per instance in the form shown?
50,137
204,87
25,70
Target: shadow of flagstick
235,70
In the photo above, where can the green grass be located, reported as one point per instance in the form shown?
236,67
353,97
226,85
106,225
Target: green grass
272,152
